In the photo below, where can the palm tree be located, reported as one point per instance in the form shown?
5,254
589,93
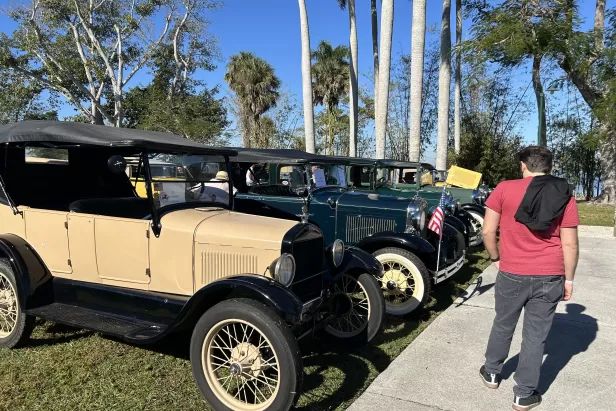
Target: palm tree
255,85
458,78
444,84
330,72
353,73
375,50
418,43
387,25
306,79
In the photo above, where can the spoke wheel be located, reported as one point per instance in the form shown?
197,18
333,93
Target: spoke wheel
8,307
356,312
405,283
476,221
240,365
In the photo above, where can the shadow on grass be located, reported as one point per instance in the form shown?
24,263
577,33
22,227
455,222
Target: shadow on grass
55,334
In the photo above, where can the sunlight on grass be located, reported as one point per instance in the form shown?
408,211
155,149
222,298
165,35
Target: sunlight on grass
601,215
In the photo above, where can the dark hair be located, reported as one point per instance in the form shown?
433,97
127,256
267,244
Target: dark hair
537,159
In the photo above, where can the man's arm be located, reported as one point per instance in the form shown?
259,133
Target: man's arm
571,252
491,220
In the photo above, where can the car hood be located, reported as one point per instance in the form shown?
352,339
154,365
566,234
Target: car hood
372,201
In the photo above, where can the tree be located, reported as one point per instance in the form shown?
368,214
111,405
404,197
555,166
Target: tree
330,72
387,25
353,77
255,85
418,43
21,99
83,49
306,78
458,77
375,50
444,84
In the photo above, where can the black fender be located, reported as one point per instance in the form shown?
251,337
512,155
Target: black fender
416,245
34,281
459,225
474,207
356,261
257,287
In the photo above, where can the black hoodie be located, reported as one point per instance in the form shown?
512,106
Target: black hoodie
545,200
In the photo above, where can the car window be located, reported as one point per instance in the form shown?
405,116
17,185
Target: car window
328,174
291,175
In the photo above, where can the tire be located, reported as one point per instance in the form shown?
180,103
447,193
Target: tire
15,325
359,325
477,222
253,325
398,301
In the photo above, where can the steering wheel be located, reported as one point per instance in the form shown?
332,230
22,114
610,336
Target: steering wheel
381,180
197,196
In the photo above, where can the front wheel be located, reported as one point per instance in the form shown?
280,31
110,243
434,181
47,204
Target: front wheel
15,325
406,281
476,220
357,308
245,358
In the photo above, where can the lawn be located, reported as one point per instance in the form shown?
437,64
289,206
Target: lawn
67,369
591,214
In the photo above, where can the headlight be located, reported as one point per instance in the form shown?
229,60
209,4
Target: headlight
478,197
451,207
283,269
415,217
338,252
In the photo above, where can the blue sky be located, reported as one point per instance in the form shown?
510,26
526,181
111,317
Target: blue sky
270,30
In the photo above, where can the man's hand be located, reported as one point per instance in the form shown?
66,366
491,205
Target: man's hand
497,265
568,292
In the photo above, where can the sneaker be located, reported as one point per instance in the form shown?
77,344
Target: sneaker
490,380
523,404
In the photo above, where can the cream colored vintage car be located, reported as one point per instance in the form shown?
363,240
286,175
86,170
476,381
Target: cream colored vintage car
79,246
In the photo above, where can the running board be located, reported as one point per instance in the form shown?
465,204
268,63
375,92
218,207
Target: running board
127,328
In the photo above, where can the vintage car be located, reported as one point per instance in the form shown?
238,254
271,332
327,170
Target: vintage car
419,178
79,246
162,171
369,175
393,229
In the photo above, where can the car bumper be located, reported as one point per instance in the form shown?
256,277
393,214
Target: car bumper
447,272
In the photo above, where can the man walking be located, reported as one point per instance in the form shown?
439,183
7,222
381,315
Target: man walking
537,258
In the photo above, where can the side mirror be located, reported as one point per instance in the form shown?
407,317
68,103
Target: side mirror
116,164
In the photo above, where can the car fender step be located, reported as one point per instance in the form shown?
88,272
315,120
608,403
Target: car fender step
129,329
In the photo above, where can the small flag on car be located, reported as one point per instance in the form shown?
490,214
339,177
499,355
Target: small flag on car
436,221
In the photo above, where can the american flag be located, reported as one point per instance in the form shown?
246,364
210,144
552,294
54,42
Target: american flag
436,221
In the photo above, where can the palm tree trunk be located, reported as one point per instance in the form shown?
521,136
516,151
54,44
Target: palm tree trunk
353,108
458,78
387,23
306,79
375,51
444,84
418,43
538,87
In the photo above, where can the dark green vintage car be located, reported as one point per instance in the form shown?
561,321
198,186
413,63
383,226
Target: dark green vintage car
419,178
287,184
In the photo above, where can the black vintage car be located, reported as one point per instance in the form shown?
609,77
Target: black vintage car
276,183
79,246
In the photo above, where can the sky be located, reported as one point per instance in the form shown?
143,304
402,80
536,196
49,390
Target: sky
270,30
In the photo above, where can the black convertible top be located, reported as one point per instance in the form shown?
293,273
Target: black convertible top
404,164
286,156
65,132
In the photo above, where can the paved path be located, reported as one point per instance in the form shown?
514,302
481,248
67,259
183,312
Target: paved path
439,370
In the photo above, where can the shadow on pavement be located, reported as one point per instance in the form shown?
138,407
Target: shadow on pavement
478,290
571,334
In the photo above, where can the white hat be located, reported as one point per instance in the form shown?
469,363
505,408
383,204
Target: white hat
222,175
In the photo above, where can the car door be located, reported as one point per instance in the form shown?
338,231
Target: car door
47,232
122,250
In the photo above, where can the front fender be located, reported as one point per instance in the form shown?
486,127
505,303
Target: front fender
459,225
260,288
417,245
473,207
34,285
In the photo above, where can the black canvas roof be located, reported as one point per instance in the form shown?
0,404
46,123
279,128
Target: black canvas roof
404,164
64,132
287,156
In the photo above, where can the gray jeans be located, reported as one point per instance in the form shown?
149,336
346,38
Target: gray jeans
539,296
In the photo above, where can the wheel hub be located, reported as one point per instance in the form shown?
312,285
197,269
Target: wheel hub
341,304
246,359
395,280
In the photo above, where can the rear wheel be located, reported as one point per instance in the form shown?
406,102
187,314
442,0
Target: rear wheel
405,283
359,310
245,358
476,220
15,325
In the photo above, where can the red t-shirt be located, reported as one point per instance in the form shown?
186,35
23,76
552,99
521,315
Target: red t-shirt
522,251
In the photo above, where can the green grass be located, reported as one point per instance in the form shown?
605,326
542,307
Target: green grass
591,214
67,369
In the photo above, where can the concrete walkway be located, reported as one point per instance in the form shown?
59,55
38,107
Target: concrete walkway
439,370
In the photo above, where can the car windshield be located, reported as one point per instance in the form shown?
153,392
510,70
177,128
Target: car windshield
322,175
183,178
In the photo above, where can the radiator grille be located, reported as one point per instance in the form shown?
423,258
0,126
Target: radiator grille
218,264
308,251
358,228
